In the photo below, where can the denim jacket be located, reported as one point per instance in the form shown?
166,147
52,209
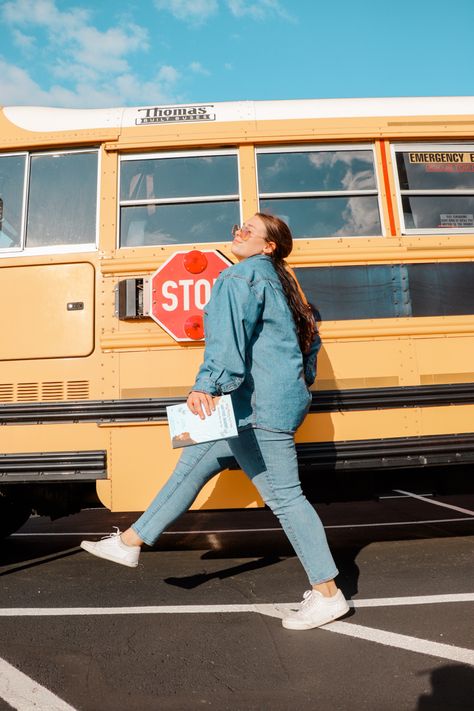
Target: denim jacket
252,349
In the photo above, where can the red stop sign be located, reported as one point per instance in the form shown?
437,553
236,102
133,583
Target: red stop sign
180,289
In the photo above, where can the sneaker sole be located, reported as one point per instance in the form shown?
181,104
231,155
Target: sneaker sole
90,548
291,624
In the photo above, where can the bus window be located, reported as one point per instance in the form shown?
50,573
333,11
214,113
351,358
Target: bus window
321,192
390,290
442,289
62,199
12,184
178,198
436,187
357,292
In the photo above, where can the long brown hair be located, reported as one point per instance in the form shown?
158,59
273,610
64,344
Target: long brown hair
279,233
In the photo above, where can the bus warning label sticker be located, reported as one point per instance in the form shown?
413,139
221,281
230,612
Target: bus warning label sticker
444,161
456,220
175,114
441,157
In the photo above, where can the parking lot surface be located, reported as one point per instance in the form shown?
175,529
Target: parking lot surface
197,625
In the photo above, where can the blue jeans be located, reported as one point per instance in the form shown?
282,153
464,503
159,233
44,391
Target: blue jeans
269,460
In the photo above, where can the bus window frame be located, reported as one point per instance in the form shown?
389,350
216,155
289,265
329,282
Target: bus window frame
146,155
14,251
81,247
423,148
327,147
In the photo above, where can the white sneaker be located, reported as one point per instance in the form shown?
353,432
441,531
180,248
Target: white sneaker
316,610
112,548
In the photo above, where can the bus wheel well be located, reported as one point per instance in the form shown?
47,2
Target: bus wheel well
19,501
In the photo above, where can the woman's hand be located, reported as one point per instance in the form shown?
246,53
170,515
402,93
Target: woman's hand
199,402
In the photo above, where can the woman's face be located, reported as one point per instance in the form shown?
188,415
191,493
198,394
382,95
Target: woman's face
250,239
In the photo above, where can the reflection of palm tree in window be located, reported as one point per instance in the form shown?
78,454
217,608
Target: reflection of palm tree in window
5,239
135,189
10,207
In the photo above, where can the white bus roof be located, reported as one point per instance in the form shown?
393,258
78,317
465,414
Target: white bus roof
34,118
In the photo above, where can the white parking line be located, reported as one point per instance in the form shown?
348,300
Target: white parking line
391,639
263,608
402,641
412,600
433,502
25,694
260,530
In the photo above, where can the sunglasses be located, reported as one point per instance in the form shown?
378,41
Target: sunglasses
243,231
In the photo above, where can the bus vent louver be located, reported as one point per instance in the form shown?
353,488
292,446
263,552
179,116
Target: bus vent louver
50,391
53,391
27,392
6,392
77,390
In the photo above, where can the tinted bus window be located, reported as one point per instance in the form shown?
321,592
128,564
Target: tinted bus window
389,290
436,186
62,200
12,184
321,193
179,199
442,289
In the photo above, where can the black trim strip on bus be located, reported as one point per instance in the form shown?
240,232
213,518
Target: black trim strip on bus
394,397
354,455
154,409
53,466
390,453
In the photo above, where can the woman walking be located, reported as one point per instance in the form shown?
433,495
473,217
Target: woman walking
261,346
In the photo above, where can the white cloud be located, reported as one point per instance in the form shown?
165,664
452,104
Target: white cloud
329,159
18,88
198,11
90,66
257,9
40,12
44,13
16,85
107,50
64,69
76,63
25,42
197,68
194,11
361,217
168,74
158,90
73,34
361,180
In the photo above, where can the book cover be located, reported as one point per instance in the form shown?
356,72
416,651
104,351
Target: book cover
187,429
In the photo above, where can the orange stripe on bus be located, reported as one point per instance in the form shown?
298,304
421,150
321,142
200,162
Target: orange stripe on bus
386,181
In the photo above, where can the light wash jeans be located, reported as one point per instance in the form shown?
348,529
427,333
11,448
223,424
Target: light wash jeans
269,460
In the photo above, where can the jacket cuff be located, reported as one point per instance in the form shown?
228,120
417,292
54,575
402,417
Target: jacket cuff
206,385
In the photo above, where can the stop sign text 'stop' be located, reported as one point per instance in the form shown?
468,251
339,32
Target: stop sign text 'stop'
181,287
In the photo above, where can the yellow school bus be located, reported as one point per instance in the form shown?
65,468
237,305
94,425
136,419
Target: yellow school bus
379,194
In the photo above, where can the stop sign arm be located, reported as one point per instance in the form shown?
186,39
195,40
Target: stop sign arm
230,319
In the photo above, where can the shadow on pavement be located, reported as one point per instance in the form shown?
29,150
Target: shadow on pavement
452,688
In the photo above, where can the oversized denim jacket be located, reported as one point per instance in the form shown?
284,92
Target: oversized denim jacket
252,349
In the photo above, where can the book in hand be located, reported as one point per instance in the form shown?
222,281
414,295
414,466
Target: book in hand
187,429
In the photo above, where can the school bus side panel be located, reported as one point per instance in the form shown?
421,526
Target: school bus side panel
49,308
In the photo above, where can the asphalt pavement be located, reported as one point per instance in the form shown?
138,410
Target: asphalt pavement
197,624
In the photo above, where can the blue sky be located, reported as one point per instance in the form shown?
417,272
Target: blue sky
130,52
